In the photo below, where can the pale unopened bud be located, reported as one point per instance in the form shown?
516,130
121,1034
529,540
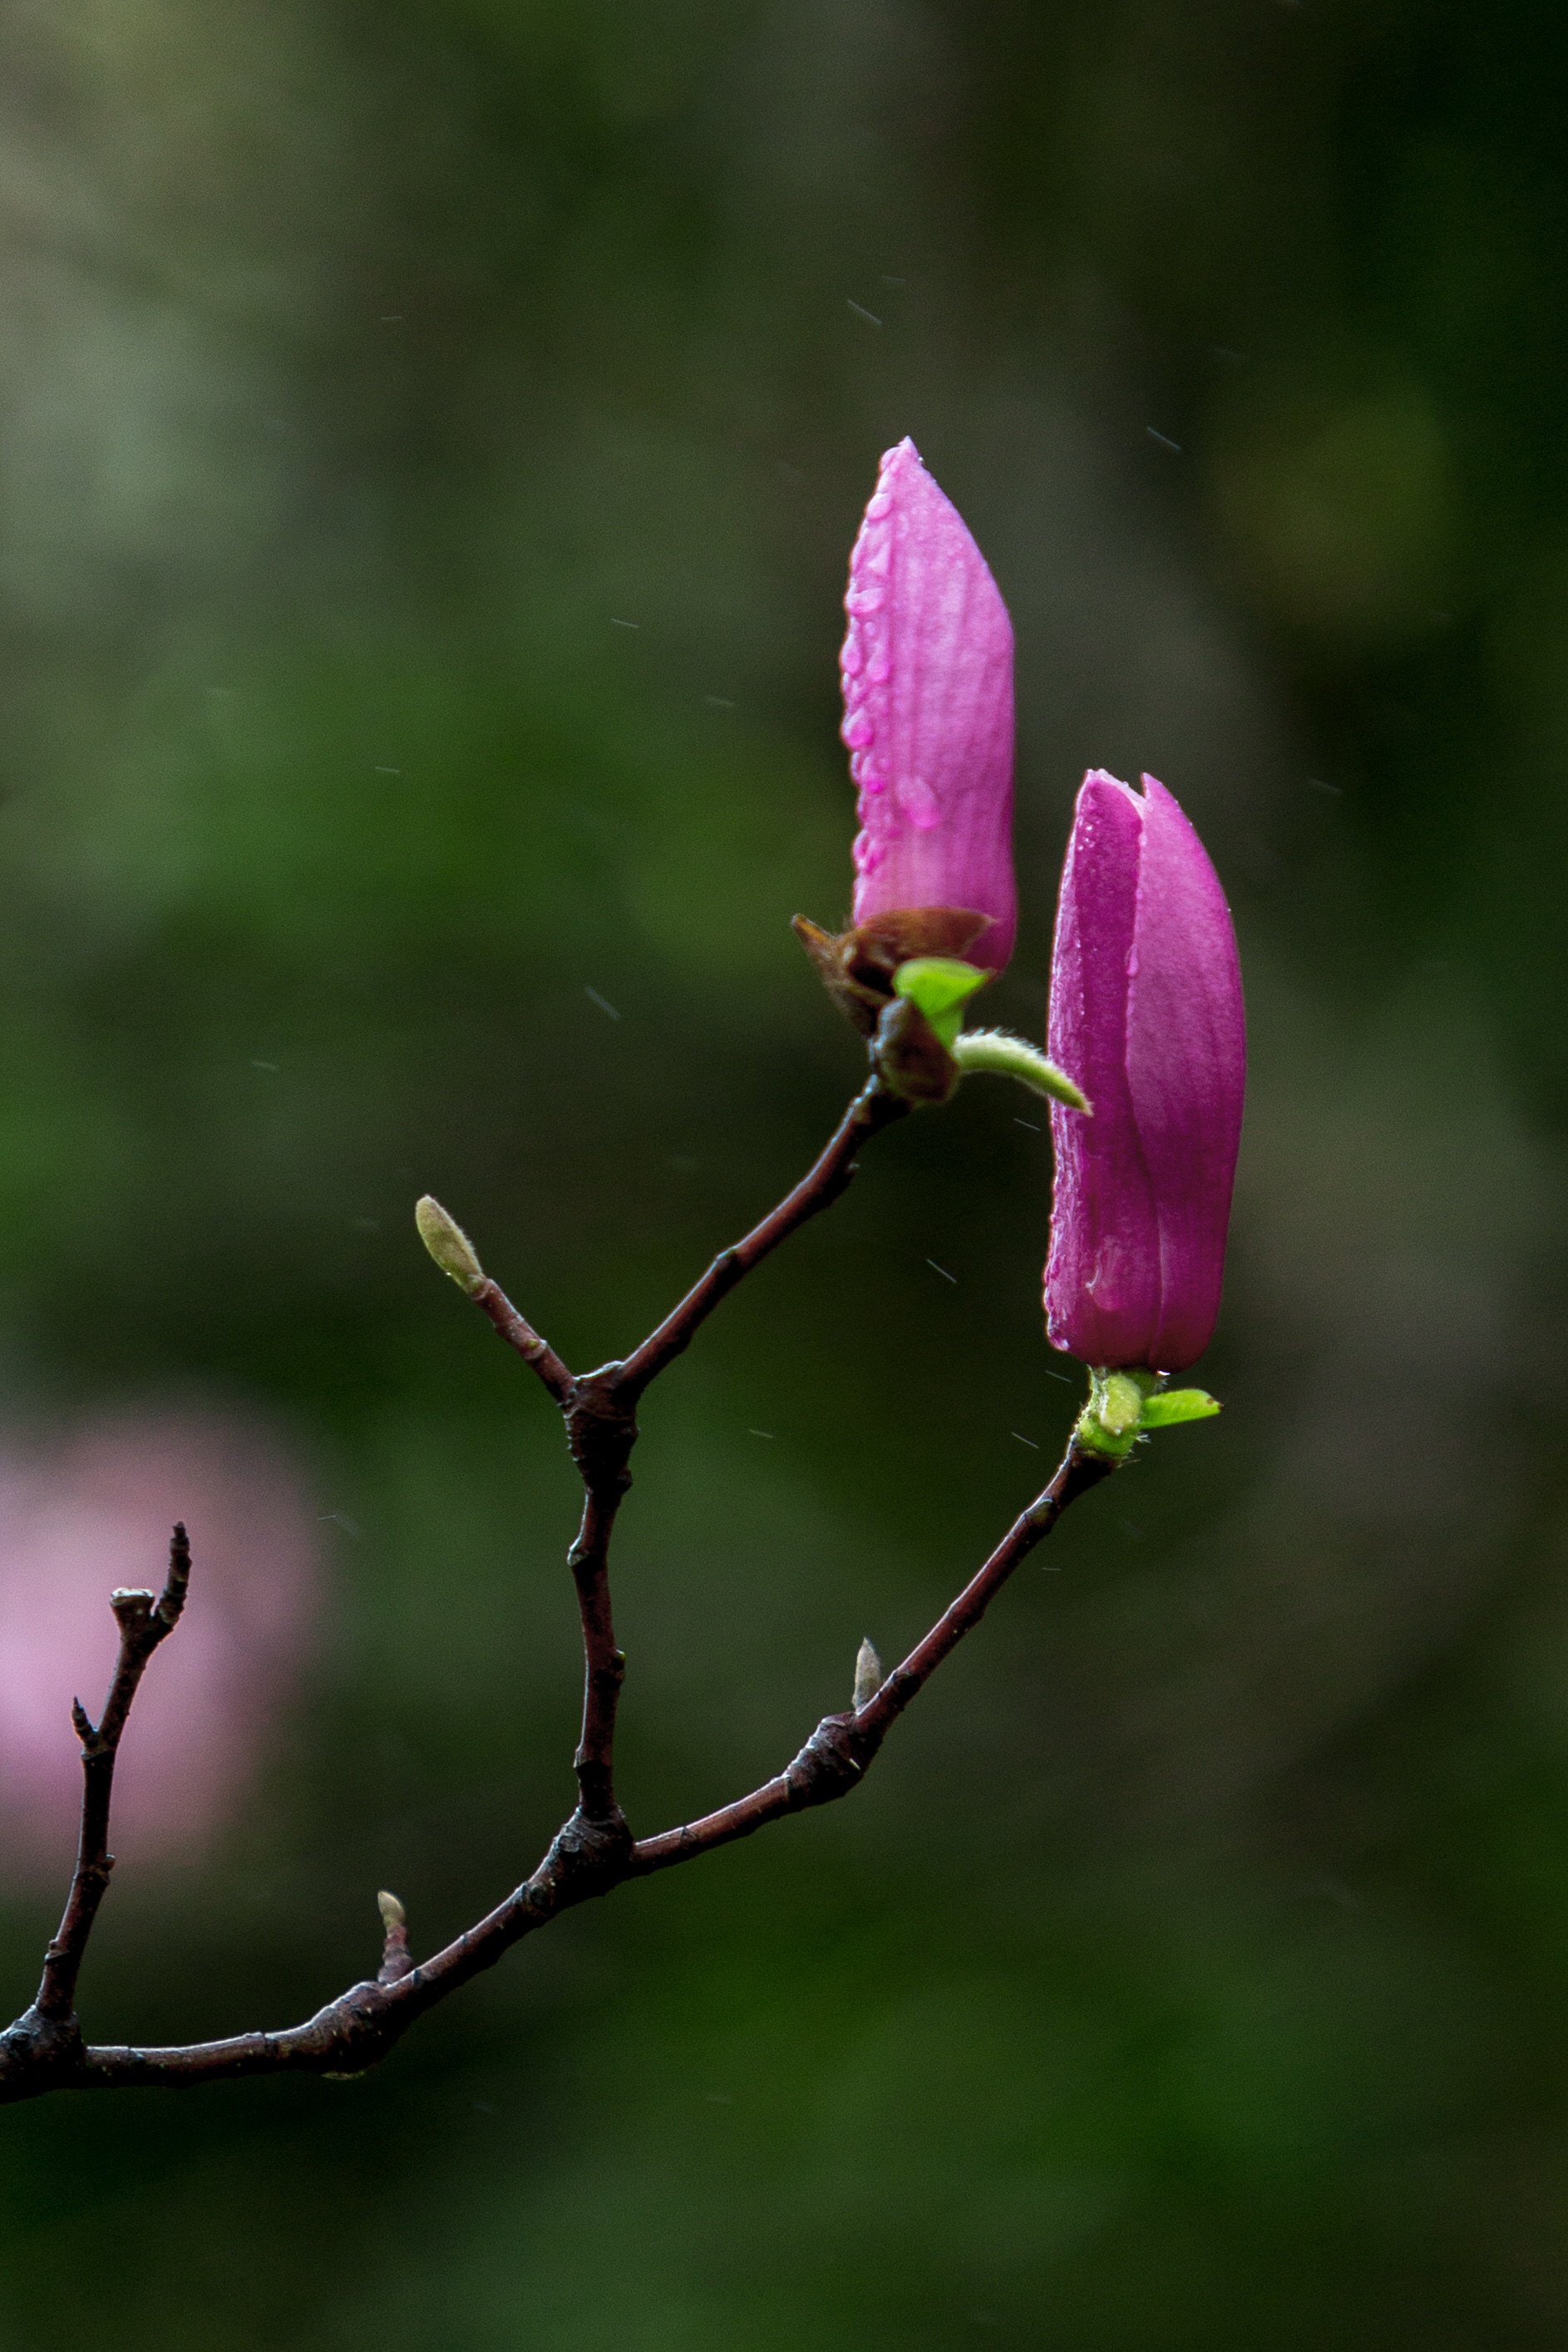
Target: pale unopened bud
449,1245
395,1958
869,1677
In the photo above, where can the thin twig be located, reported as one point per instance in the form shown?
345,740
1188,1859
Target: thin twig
600,1412
873,1109
840,1750
595,1851
358,2027
601,1429
143,1622
519,1333
601,1432
1078,1471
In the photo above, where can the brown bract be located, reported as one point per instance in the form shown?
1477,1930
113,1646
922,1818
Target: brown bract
857,967
910,1057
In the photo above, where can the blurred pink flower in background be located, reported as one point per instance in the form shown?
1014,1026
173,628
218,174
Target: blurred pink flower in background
92,1510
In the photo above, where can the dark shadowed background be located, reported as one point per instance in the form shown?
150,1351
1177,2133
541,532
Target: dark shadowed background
430,442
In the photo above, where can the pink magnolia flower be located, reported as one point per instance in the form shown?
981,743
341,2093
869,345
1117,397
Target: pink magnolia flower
927,668
93,1512
1146,1013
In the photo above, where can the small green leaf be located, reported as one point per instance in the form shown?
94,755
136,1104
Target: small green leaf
940,986
1177,1404
1125,1406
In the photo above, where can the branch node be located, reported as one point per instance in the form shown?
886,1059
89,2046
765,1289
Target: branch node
585,1856
38,2053
601,1431
833,1759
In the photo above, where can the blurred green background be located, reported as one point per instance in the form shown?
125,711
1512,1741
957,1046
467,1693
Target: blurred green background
1193,1971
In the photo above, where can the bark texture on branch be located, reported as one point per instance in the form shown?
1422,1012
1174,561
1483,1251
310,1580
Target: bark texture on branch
595,1851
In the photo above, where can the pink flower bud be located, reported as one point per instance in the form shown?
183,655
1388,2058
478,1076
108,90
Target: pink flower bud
927,668
1146,1013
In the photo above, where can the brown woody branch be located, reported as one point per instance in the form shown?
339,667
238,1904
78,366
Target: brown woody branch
873,1109
600,1413
46,2036
519,1333
595,1850
839,1752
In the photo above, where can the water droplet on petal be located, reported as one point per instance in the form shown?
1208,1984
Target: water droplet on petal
920,803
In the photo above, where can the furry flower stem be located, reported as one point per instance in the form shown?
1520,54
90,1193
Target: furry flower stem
1006,1057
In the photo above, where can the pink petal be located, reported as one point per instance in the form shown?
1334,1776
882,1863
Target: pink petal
927,668
1146,1014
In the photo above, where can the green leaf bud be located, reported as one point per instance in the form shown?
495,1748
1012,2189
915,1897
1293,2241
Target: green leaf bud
449,1245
